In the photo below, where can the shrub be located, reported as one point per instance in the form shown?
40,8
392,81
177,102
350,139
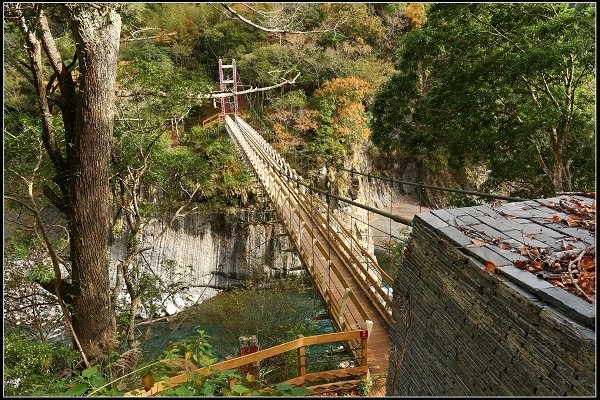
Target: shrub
34,367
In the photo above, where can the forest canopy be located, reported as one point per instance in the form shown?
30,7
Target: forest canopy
510,86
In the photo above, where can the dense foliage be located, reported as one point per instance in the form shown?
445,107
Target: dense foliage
153,130
508,86
341,45
33,368
39,368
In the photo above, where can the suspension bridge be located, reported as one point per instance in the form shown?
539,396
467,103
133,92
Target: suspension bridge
355,289
347,276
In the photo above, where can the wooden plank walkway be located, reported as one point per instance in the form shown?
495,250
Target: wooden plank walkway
345,284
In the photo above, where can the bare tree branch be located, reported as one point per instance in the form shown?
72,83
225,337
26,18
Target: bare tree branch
531,91
549,92
540,158
498,33
43,235
134,39
65,79
35,56
212,95
265,29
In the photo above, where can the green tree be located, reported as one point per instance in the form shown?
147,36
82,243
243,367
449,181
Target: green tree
205,33
343,122
508,85
77,141
154,152
33,368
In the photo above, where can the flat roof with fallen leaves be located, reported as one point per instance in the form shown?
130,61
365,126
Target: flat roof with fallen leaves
546,246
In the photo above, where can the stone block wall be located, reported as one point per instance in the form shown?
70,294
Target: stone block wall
459,330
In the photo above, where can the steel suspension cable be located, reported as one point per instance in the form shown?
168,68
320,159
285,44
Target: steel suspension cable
257,116
278,166
328,235
423,185
390,233
397,218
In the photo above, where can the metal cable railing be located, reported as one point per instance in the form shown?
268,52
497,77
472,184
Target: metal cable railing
425,186
361,263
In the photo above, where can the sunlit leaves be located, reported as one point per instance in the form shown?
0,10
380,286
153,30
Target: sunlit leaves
489,87
342,118
352,21
415,13
345,90
266,65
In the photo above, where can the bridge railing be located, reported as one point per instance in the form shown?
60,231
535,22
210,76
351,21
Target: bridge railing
374,281
363,265
355,340
212,120
348,313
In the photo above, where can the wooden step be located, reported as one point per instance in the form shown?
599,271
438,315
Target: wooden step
333,387
328,375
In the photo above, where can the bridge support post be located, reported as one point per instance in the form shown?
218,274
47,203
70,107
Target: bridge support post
301,359
369,324
363,351
248,345
342,305
300,229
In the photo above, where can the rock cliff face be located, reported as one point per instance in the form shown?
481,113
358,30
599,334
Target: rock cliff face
234,246
198,255
214,252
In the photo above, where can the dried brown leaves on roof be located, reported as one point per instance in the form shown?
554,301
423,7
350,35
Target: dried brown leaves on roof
573,269
578,214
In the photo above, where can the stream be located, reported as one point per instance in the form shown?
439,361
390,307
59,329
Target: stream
275,315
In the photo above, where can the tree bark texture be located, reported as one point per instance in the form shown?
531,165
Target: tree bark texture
97,32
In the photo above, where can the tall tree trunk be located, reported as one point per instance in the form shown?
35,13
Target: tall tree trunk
561,173
96,31
83,166
561,176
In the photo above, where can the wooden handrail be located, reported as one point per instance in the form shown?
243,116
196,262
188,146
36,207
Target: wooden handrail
212,119
368,279
296,209
257,149
385,276
249,358
367,282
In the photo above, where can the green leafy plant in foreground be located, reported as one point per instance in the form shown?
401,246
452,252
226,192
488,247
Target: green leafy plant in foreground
89,378
33,368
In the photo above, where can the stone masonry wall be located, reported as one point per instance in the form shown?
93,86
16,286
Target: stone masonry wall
459,330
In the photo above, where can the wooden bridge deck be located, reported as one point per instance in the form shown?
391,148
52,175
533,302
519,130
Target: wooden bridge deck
346,282
332,289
